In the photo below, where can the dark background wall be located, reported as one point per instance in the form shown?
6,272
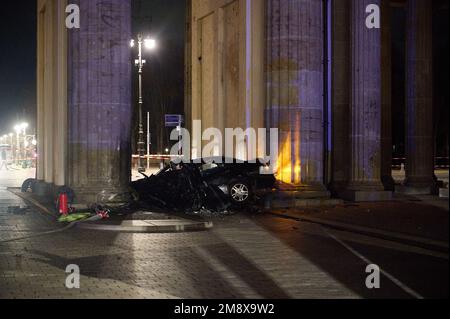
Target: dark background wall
441,77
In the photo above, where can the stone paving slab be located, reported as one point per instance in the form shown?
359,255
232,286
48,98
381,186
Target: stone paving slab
148,226
411,217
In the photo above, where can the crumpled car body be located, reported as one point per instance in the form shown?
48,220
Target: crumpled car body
215,184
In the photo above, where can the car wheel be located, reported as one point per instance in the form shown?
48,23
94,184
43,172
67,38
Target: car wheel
28,185
240,192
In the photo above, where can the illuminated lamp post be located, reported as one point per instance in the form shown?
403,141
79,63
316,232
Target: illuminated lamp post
149,44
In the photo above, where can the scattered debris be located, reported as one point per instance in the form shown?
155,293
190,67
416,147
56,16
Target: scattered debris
101,212
182,188
208,187
74,217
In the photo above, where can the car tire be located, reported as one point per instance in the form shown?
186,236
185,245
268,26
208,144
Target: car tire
240,193
28,185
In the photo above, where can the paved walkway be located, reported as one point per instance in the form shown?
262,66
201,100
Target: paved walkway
244,256
408,215
239,259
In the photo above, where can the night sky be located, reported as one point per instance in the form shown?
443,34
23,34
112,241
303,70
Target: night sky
17,63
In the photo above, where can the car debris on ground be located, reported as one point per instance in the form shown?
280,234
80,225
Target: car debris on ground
182,188
214,186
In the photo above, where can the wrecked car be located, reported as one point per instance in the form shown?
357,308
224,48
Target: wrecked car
240,181
214,184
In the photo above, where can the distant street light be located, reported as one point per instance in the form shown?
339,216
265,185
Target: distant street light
149,44
24,128
18,129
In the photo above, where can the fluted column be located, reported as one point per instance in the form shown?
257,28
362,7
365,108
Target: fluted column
341,93
100,99
365,136
386,98
295,87
419,94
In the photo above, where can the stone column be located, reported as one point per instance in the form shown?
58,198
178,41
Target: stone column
295,88
365,136
386,97
99,108
419,94
340,93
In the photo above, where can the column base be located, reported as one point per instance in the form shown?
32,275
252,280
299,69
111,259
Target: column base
47,192
419,186
365,195
44,191
412,190
112,197
337,187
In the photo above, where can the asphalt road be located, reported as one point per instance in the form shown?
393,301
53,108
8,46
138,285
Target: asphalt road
244,256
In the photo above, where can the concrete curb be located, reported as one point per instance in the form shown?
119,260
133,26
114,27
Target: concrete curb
303,203
32,201
179,227
431,244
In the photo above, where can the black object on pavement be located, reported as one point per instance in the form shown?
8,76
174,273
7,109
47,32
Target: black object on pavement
214,185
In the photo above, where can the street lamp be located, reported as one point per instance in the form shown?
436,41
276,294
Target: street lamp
149,44
18,129
24,127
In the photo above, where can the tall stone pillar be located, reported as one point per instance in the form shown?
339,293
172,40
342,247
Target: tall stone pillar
365,136
386,97
99,106
419,94
340,93
295,88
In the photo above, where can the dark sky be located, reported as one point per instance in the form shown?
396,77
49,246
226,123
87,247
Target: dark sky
163,19
17,63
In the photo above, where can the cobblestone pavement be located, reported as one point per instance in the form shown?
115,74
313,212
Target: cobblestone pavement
244,256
